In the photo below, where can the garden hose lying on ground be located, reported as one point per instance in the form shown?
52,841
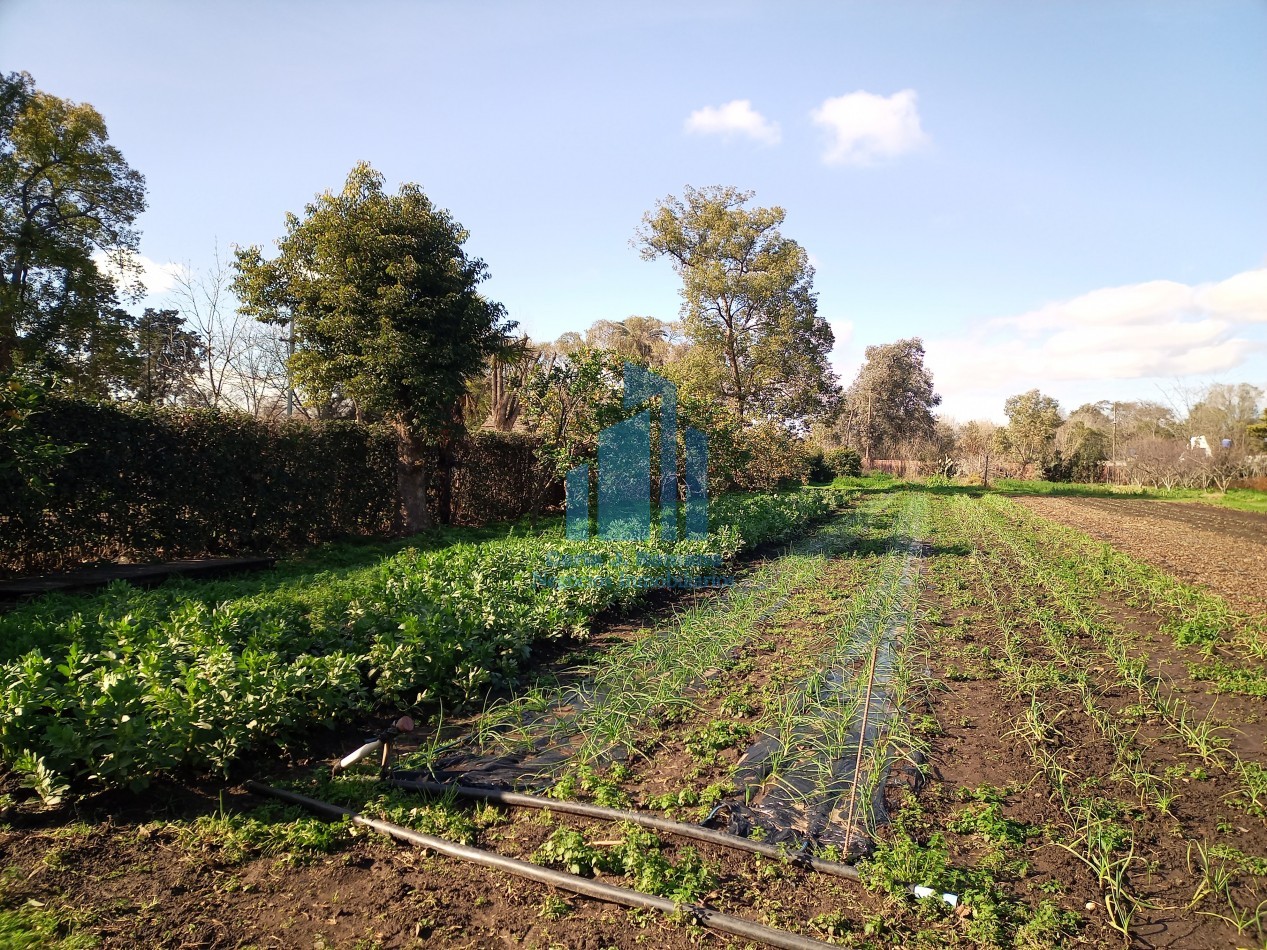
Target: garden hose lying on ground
678,828
568,882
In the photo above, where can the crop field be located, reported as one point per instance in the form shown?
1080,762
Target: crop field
938,687
1217,548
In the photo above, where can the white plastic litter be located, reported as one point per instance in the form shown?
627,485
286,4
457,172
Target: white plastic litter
950,899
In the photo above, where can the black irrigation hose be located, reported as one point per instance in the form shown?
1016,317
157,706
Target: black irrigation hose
568,882
615,814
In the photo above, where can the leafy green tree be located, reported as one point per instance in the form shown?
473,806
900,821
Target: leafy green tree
646,341
1032,421
890,403
1080,453
67,198
1258,430
382,302
570,395
1143,419
169,357
749,306
843,463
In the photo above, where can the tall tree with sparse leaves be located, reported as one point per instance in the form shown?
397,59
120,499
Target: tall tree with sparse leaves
67,200
1032,421
890,403
168,357
749,306
384,310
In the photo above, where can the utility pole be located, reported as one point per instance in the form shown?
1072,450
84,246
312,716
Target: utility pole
1115,442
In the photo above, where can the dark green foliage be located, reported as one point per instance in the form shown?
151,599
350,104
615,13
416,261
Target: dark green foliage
496,477
168,357
1084,469
26,455
748,306
816,467
380,296
66,196
890,403
843,463
151,483
162,483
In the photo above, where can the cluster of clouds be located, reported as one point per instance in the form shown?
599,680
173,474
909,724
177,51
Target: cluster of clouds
862,128
1158,330
157,278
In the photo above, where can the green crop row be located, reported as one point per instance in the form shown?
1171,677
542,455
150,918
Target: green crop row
135,684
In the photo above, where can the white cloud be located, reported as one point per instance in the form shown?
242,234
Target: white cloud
158,278
1244,295
842,357
1153,330
866,127
734,118
1132,304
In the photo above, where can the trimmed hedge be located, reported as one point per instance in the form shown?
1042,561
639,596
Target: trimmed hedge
495,478
154,483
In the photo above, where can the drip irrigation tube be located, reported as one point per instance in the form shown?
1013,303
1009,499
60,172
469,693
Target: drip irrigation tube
862,738
568,882
678,828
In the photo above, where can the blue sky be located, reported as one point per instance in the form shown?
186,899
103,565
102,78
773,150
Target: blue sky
1063,195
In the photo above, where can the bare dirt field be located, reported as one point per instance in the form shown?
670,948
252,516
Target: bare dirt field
1223,550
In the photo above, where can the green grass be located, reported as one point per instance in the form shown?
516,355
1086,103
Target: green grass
34,926
1240,499
1015,486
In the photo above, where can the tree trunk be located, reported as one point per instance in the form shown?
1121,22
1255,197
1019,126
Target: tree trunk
445,460
538,490
869,459
8,327
412,480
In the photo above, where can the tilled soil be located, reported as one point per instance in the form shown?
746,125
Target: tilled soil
1218,548
1175,910
122,869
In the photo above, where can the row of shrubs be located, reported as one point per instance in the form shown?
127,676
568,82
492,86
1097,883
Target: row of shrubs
834,463
143,482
